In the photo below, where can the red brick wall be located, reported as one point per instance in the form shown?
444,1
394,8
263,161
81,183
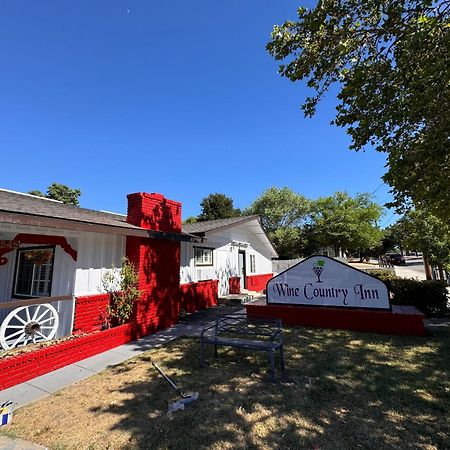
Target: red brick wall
200,295
90,313
235,285
154,212
157,262
402,320
25,366
258,282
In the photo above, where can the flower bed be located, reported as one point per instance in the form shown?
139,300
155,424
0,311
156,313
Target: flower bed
18,367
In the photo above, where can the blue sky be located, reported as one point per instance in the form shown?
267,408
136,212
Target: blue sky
181,98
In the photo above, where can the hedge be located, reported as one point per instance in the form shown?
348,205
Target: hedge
430,297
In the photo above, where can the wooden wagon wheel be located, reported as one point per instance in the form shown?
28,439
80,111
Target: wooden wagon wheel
29,324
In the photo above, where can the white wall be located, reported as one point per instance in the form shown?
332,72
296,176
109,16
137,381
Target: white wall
96,254
225,257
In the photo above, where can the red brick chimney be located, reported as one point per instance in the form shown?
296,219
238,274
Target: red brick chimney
157,262
154,212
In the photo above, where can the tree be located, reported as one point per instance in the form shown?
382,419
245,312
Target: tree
60,192
390,59
217,206
347,224
280,208
282,213
392,239
425,232
64,194
190,219
37,193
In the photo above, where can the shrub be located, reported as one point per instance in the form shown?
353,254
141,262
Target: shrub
123,291
429,297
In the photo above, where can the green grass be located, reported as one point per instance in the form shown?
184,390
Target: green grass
345,390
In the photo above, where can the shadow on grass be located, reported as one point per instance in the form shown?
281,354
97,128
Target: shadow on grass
350,390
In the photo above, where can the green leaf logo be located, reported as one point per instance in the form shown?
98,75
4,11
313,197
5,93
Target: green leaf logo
320,263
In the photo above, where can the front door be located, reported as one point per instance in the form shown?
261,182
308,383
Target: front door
242,268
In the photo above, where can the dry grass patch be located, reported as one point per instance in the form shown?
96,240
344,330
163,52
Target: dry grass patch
350,390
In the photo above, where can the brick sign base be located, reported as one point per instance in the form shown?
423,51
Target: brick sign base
402,320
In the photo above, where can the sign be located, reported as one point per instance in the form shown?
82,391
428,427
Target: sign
323,281
10,245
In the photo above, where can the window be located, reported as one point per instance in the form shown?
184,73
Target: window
34,270
203,256
252,263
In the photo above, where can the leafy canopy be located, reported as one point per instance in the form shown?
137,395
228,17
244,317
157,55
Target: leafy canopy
391,59
420,230
60,192
346,223
282,212
217,206
280,208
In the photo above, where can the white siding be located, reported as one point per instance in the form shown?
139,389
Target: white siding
225,256
96,254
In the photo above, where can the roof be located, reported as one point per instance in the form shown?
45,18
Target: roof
210,226
31,204
213,225
16,207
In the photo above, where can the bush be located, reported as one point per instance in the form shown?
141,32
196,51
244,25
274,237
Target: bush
123,290
429,297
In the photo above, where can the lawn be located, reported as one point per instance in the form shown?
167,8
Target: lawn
345,390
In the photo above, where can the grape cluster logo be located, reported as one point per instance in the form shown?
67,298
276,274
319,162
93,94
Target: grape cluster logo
318,269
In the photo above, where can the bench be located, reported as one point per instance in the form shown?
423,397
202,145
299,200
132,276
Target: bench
251,333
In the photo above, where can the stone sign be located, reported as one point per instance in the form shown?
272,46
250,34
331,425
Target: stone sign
324,281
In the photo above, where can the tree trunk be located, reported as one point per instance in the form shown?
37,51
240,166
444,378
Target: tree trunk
428,269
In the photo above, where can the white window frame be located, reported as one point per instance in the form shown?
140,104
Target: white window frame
203,256
252,263
36,276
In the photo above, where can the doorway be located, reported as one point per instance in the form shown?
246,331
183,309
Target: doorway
242,270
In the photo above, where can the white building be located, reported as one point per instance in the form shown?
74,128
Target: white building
235,248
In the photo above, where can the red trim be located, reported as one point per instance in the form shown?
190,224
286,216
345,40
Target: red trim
200,295
235,285
402,320
90,313
25,238
25,366
258,282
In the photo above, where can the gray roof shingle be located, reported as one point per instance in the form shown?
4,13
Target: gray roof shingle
211,225
30,204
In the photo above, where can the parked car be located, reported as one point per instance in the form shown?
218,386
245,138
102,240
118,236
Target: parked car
396,258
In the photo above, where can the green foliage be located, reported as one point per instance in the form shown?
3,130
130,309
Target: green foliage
64,194
420,230
391,62
288,241
191,219
37,193
392,239
123,291
282,213
346,223
383,274
280,208
60,192
298,226
217,206
429,297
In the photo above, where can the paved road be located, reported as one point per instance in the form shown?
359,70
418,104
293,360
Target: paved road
412,269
